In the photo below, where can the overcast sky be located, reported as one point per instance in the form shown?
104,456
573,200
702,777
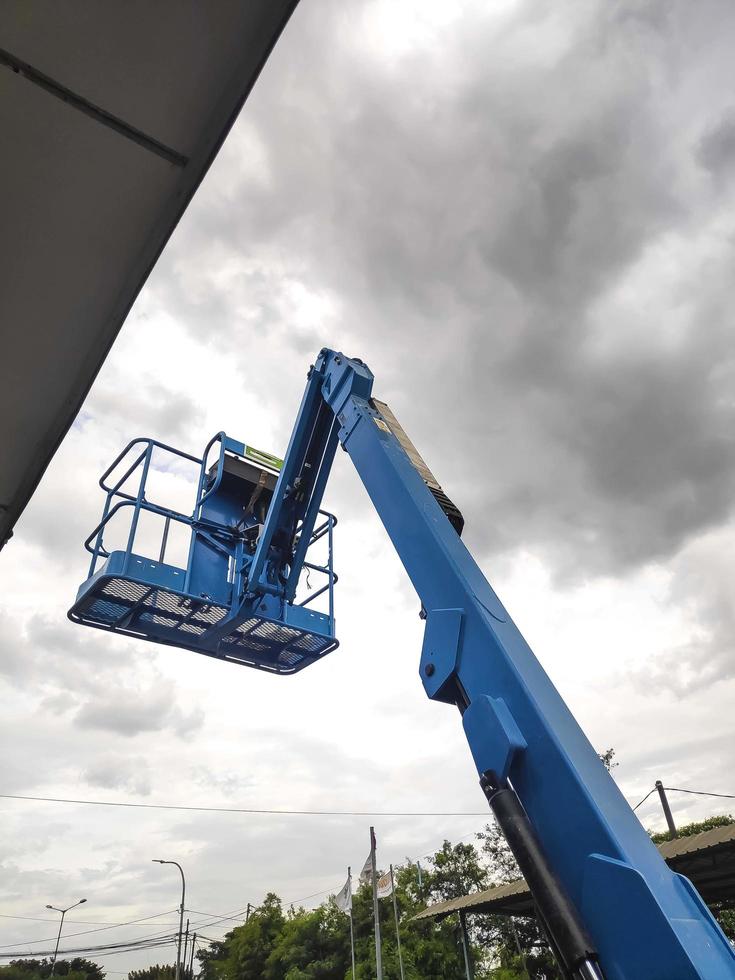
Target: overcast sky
519,214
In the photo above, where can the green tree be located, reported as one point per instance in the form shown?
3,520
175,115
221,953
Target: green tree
606,758
211,960
244,952
430,949
456,870
77,968
517,945
158,972
311,946
698,827
315,944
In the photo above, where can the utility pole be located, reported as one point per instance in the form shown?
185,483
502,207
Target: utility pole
466,945
181,912
186,945
61,926
667,809
191,961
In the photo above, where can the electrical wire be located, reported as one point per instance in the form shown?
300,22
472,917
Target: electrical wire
253,810
151,943
305,813
213,915
699,792
84,922
143,942
86,932
644,799
160,944
693,792
156,940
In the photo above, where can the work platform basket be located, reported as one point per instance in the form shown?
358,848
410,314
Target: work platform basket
199,599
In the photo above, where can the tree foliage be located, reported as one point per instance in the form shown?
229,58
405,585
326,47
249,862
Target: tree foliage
302,944
76,968
517,944
698,827
159,971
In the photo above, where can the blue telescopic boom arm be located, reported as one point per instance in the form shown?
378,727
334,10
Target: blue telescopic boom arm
610,905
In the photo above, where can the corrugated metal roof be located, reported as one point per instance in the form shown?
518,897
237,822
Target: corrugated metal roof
672,849
515,897
496,896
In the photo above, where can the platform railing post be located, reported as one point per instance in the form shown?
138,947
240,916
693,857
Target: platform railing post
330,543
100,533
197,506
136,509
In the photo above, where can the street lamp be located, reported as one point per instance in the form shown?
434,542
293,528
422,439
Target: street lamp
181,912
61,926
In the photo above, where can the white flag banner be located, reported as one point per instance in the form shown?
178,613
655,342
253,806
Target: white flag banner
344,898
366,875
385,885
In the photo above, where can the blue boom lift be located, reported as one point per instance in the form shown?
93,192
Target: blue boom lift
608,902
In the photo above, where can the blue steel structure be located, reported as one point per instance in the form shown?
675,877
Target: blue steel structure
205,606
609,904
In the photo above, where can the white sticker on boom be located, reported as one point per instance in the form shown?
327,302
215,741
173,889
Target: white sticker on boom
381,424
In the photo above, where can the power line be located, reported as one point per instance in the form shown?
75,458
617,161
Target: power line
214,915
86,932
161,944
116,952
161,939
210,920
253,810
698,792
693,792
264,811
89,922
151,943
293,901
644,799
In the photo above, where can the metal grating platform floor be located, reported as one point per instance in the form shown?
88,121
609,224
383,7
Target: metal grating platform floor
149,612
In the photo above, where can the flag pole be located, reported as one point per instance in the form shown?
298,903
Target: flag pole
395,913
352,931
376,914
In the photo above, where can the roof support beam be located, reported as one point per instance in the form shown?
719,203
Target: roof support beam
95,112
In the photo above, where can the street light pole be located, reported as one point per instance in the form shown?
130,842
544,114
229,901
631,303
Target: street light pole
181,912
61,926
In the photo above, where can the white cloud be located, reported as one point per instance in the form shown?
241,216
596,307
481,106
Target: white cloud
518,220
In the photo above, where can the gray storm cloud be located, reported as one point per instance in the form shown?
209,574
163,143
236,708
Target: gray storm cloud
474,216
523,221
72,673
